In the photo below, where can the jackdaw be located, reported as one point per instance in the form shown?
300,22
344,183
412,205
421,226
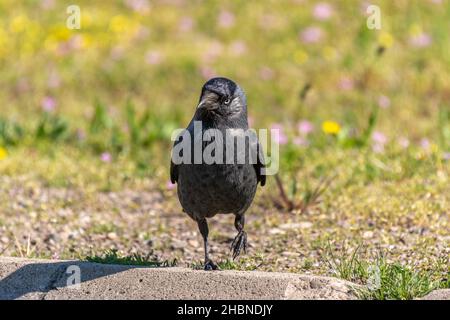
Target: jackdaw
220,186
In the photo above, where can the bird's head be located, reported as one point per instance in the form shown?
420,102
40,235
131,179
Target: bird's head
222,99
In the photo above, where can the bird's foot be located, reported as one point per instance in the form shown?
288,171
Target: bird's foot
239,243
209,266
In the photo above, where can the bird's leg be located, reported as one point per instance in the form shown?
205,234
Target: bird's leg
203,226
240,242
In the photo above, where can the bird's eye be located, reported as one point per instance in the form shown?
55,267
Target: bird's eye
227,101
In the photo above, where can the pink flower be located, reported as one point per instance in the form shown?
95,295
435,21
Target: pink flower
153,57
53,80
226,19
267,21
301,142
276,128
379,137
238,48
48,104
117,53
305,127
105,157
47,4
186,24
384,102
425,144
379,141
322,11
446,156
266,73
23,85
378,148
81,134
403,142
170,185
207,72
138,5
421,40
212,52
311,35
346,83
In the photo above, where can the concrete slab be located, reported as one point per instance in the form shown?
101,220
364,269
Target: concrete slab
50,279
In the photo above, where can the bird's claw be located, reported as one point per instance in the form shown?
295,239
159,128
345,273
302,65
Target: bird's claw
209,266
239,243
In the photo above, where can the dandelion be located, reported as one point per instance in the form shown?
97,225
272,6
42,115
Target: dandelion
3,153
48,104
311,35
331,127
300,56
322,11
105,157
329,53
282,138
385,39
305,127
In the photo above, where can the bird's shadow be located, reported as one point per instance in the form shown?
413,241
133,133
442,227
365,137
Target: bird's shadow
35,280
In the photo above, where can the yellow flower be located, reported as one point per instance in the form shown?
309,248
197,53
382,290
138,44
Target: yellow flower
19,23
331,127
119,24
415,30
300,56
385,39
329,53
3,153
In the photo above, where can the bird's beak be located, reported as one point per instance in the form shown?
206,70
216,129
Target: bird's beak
209,101
201,104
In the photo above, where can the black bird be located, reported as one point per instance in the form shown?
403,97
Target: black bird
205,190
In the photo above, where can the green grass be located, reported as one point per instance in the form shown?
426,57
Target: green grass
113,257
385,280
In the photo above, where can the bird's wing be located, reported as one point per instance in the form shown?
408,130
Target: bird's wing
173,172
173,166
260,164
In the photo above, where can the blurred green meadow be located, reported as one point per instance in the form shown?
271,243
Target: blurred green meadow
364,119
